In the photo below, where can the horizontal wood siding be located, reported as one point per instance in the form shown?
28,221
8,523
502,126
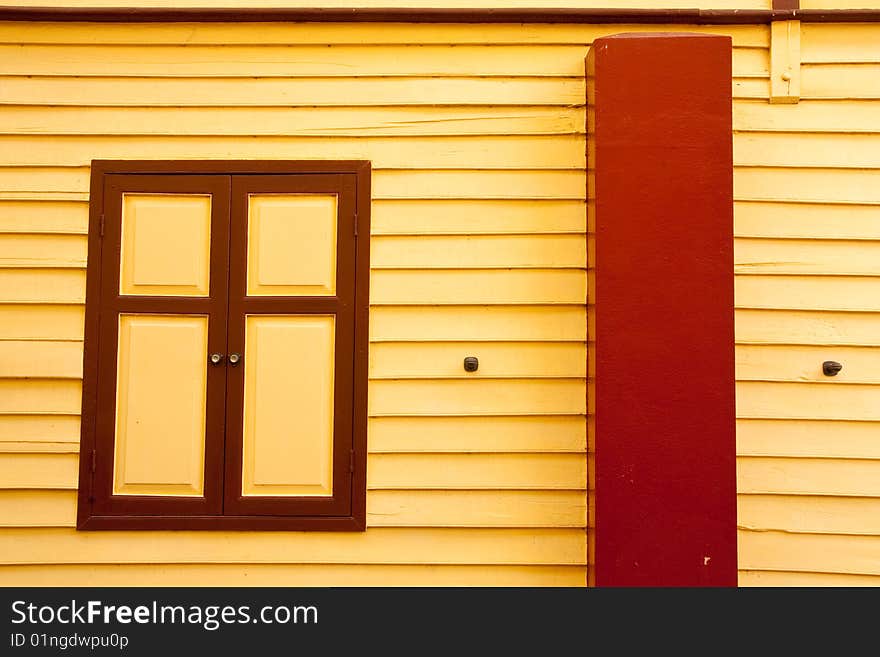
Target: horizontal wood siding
478,142
807,224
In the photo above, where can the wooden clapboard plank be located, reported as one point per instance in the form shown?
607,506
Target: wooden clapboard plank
808,292
809,514
376,545
40,359
805,220
478,397
806,116
838,43
809,552
804,363
402,152
473,251
475,323
317,61
52,429
808,438
791,256
295,575
36,322
808,401
287,92
753,36
811,185
803,476
276,121
42,250
809,328
844,81
478,471
483,286
536,433
770,578
433,360
43,217
798,150
66,286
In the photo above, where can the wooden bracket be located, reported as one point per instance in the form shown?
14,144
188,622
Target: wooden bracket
785,62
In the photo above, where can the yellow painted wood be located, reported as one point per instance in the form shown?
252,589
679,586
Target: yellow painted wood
831,553
257,574
385,471
476,323
753,36
32,359
860,293
820,185
473,508
812,328
317,61
330,121
40,428
770,578
409,4
291,245
789,256
840,81
66,286
46,217
161,392
809,401
166,245
808,514
806,220
481,286
798,150
478,397
806,116
72,197
289,92
40,397
387,184
410,545
801,476
37,508
17,250
391,508
522,251
840,42
39,448
433,360
288,405
401,152
554,433
478,471
50,471
477,217
785,61
804,363
34,322
808,438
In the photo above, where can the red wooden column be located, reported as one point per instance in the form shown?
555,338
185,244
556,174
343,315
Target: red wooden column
661,303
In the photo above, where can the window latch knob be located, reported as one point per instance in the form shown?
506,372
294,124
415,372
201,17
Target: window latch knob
216,359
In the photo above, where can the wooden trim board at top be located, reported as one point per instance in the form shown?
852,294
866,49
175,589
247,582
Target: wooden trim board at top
783,10
101,170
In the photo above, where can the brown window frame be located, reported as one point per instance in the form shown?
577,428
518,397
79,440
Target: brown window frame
227,180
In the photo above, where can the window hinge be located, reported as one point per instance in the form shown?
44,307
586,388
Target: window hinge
351,461
355,224
94,460
102,225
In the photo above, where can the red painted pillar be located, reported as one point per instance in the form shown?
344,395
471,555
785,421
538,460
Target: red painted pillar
661,303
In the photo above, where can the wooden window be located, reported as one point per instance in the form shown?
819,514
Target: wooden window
225,364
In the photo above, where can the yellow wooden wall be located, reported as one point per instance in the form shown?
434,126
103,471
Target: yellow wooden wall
478,248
